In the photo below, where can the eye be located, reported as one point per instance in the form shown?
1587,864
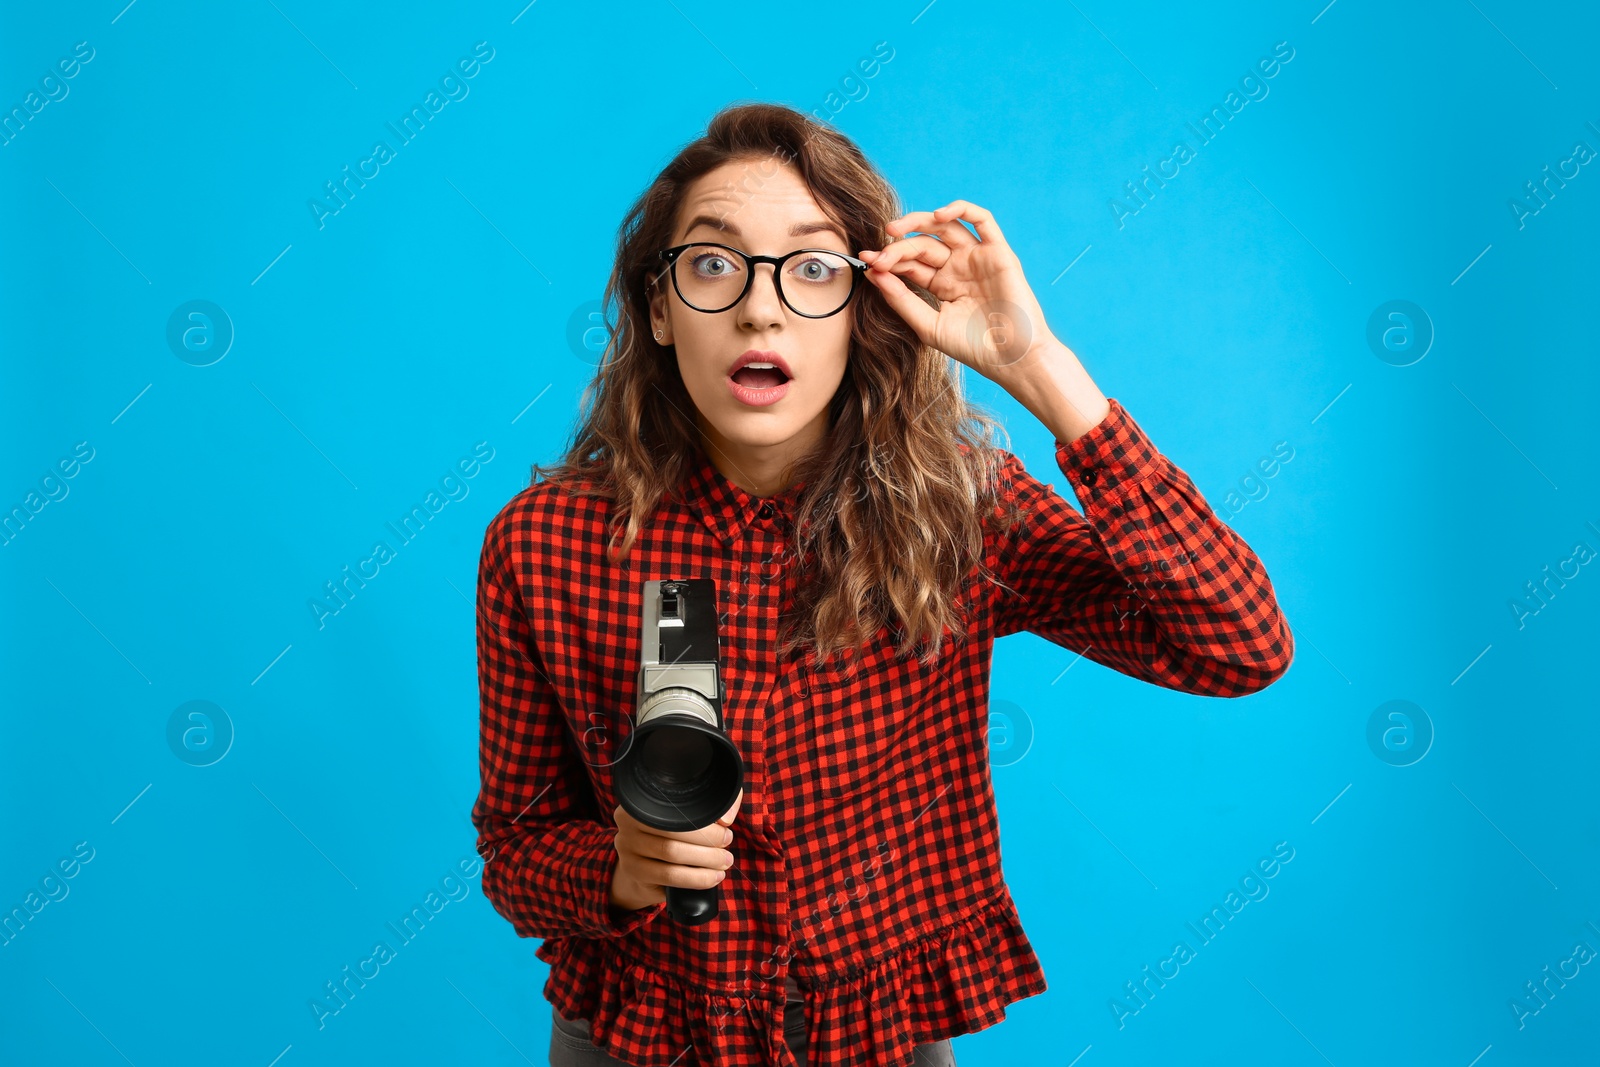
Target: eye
817,268
712,265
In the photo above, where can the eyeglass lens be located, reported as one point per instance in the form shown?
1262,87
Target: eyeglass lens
711,277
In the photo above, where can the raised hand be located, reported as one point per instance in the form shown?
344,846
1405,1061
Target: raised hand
988,317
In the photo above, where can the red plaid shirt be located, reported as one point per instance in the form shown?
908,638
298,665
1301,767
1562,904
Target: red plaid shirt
867,869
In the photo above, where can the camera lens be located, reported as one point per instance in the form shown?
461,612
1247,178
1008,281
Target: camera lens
679,775
676,759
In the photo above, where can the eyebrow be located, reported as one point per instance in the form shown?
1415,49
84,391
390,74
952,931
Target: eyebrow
799,229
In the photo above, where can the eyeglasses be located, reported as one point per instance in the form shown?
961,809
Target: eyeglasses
718,277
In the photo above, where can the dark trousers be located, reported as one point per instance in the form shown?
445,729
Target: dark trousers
570,1045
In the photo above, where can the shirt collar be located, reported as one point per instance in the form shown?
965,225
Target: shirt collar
728,510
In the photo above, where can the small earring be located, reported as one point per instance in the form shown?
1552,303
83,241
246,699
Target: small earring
658,335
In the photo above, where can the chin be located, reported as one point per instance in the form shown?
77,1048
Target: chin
765,435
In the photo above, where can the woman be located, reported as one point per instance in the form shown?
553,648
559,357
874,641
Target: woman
779,412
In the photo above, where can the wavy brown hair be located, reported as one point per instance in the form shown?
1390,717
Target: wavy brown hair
892,514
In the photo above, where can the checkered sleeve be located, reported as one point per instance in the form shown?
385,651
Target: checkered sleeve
1146,580
548,853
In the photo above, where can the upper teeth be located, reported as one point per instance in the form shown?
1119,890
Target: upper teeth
763,366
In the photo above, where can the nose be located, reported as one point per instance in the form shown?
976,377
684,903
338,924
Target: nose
761,306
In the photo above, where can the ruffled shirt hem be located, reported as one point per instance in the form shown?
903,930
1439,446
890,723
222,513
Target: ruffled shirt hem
954,980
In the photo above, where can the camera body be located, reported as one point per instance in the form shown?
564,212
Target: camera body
680,770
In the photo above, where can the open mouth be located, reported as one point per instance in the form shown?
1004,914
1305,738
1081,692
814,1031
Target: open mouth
756,377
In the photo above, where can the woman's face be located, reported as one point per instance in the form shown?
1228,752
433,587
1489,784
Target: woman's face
761,207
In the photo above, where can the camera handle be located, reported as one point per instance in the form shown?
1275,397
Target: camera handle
691,907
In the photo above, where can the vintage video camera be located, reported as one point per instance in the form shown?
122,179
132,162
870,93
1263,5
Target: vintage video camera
680,770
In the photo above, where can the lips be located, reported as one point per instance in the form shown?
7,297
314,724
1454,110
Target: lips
776,372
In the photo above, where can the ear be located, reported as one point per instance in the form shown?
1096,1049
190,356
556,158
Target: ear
658,309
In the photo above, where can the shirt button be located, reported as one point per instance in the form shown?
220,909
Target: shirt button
766,511
1091,476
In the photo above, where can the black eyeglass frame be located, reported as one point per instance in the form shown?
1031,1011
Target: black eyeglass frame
669,256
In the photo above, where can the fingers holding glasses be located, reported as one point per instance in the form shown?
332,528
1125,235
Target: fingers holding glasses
922,248
911,269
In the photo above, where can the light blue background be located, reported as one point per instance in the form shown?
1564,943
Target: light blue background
428,314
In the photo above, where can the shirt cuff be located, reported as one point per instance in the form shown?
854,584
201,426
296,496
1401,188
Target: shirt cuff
621,922
1116,453
610,920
